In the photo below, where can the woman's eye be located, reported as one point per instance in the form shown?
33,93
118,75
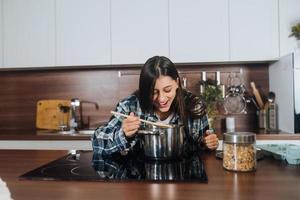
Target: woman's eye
168,90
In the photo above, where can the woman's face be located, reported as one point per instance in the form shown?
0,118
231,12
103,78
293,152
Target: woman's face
164,93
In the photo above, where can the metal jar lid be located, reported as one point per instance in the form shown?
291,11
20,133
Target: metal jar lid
239,137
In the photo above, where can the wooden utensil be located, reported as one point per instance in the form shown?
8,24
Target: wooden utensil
257,96
142,120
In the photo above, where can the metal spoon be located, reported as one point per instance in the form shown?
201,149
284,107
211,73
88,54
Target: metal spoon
271,97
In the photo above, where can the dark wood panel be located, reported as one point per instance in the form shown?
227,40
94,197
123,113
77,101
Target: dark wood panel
20,90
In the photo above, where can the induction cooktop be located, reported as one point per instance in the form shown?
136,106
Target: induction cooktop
87,166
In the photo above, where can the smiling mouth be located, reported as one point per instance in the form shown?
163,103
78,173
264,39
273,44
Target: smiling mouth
162,105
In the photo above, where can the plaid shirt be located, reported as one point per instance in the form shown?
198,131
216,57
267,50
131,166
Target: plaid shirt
110,138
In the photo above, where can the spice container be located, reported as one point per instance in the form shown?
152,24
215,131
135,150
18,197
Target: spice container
262,118
239,151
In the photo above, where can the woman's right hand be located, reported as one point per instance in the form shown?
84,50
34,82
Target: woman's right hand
131,125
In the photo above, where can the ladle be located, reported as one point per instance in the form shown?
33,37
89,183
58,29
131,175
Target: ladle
142,120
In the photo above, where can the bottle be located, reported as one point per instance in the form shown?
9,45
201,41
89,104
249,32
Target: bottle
272,115
230,124
184,82
203,77
221,86
262,118
63,117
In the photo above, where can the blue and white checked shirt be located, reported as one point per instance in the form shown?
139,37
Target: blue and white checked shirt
110,138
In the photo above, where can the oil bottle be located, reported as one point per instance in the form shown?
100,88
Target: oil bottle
272,113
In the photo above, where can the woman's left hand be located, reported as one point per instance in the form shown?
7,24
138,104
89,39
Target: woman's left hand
211,140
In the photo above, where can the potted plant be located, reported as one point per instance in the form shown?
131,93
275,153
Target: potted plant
212,95
295,31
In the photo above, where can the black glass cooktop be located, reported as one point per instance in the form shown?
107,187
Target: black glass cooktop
87,166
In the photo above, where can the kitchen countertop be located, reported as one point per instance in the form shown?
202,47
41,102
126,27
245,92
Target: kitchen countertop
273,180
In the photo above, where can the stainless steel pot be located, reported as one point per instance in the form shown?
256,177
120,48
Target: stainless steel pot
163,143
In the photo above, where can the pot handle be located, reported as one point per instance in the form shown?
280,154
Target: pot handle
145,132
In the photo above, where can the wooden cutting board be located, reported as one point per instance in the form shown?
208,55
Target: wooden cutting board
48,113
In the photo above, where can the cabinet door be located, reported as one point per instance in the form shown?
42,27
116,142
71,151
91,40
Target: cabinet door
1,38
139,30
28,32
82,32
254,31
199,30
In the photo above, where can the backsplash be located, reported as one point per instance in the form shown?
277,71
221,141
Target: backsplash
21,89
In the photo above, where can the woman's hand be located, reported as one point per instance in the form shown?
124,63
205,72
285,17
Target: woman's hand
211,140
131,125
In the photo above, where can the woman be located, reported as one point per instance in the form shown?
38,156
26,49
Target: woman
161,98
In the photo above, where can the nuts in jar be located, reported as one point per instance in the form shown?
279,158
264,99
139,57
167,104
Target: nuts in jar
239,151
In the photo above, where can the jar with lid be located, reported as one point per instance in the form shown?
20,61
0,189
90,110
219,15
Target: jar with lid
239,151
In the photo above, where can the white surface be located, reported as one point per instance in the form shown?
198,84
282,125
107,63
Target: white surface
46,144
139,30
83,32
289,11
281,81
87,145
297,90
199,30
253,30
1,34
29,30
297,80
185,30
297,59
4,191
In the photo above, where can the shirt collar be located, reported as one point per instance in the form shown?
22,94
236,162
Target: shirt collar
153,117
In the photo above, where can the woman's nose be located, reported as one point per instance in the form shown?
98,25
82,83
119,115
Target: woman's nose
161,98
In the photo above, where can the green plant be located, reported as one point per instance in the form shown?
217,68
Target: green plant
212,95
295,31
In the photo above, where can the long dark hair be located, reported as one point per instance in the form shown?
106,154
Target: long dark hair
152,69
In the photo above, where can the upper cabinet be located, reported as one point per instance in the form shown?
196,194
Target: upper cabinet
254,31
1,38
28,33
37,33
139,30
199,30
83,32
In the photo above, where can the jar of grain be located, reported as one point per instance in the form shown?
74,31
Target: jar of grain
239,151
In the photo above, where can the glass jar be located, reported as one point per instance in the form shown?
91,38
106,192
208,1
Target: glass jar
239,151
